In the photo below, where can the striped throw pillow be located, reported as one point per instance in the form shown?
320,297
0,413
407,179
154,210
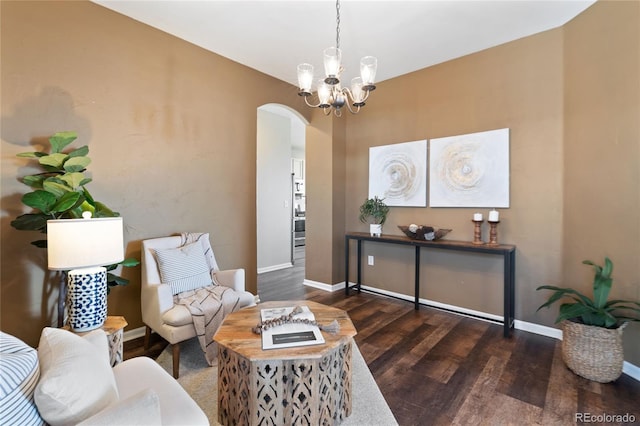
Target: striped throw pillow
19,374
184,268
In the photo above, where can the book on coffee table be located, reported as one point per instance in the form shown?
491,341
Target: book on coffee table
290,335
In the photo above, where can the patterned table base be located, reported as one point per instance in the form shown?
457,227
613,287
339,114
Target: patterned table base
116,347
284,392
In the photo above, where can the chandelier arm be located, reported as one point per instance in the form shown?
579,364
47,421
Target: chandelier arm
347,94
357,110
306,101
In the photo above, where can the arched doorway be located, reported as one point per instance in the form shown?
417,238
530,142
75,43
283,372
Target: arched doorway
280,194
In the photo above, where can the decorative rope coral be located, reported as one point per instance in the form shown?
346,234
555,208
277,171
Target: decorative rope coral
332,328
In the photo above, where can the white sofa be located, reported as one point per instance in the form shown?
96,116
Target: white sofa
68,381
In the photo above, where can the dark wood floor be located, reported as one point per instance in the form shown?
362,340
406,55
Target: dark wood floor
437,368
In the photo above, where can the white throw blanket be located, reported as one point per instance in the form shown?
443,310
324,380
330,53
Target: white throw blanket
208,305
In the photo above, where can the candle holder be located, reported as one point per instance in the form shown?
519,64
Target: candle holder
477,232
493,233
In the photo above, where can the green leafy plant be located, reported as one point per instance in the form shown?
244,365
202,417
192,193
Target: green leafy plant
597,311
374,210
59,192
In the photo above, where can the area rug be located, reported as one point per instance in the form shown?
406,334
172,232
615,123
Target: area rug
201,382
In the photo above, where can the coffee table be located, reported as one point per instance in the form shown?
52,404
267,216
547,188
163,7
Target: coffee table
299,385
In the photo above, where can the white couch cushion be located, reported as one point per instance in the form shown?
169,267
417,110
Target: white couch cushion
19,375
177,316
184,268
76,379
141,409
176,406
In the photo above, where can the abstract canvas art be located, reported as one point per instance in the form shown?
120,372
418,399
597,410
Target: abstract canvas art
470,170
398,173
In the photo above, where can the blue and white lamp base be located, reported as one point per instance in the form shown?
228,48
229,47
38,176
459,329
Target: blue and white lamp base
87,298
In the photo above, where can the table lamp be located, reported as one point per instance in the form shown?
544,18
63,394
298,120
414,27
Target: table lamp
82,247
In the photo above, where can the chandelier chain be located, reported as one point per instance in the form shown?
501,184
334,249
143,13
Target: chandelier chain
338,24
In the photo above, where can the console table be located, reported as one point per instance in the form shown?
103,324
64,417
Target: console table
508,252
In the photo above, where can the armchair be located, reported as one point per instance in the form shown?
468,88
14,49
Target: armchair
174,322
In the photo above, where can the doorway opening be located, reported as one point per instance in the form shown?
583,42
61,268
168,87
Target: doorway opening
280,197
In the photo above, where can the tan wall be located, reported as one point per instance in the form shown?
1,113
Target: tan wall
324,183
602,151
516,86
338,176
171,130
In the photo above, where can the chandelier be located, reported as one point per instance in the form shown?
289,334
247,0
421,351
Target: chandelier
331,96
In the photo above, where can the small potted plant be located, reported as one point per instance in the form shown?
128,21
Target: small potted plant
374,212
592,327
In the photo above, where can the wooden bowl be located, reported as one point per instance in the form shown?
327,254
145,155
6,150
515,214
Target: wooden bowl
425,232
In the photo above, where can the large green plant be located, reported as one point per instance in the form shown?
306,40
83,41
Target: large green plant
597,311
59,192
374,210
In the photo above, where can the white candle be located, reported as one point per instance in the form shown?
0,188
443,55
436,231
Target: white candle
494,216
477,217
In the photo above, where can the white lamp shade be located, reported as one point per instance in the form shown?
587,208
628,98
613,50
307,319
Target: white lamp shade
324,93
356,90
368,68
84,243
332,59
305,77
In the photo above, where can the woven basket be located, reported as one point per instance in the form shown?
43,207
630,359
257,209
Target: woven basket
594,353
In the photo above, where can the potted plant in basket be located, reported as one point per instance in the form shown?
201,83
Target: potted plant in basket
374,212
592,327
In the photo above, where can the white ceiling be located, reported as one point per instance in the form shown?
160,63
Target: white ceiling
275,36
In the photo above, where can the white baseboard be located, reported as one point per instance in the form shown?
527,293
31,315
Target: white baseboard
631,370
133,334
275,267
542,330
321,286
